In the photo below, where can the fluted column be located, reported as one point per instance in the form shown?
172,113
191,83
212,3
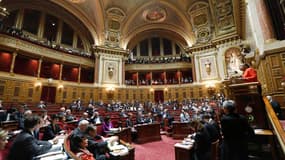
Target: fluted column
123,72
265,21
39,67
79,74
96,68
20,17
59,32
149,47
138,49
137,78
41,25
60,72
193,69
161,47
13,63
173,48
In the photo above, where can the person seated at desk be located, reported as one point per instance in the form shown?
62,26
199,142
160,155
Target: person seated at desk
107,125
25,145
3,142
140,118
52,129
68,116
80,147
42,105
202,144
166,115
97,144
184,116
149,118
96,119
123,114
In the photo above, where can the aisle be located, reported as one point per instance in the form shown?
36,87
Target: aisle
158,150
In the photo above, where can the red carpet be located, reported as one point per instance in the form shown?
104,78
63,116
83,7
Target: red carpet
158,150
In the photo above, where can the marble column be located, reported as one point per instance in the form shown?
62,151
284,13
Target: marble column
79,74
39,67
96,68
60,72
265,21
13,63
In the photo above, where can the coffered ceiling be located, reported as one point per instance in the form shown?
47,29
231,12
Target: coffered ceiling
192,22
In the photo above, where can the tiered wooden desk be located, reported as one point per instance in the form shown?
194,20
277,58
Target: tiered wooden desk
181,130
183,151
148,132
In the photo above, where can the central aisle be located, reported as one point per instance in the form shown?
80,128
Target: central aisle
157,150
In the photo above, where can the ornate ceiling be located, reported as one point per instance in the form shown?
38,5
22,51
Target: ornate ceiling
121,23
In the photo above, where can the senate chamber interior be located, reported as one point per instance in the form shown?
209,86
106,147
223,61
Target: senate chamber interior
142,79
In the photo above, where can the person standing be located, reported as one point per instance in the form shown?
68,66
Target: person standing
276,107
236,131
249,73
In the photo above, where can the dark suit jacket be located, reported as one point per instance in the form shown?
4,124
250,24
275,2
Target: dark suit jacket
26,146
129,123
50,132
202,145
236,131
276,107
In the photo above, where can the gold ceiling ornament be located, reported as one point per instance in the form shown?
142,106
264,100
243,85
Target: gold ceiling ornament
155,14
3,12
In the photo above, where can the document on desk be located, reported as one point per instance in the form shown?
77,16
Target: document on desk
56,155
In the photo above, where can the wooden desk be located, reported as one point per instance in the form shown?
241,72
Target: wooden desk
181,130
262,144
148,132
131,155
9,125
183,152
125,135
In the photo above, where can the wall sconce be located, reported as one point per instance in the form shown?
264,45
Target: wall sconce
165,90
151,90
38,84
60,87
110,92
211,88
50,80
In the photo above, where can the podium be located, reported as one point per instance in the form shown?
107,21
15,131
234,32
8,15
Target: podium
249,102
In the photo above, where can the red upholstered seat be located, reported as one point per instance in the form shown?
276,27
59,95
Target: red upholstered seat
99,128
67,148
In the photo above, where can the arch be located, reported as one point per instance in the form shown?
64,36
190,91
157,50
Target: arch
189,37
81,16
173,36
70,18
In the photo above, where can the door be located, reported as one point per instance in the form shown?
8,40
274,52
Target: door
48,94
158,96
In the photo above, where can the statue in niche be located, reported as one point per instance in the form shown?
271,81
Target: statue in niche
111,70
233,59
208,67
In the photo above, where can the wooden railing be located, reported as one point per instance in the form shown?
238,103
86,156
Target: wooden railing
276,125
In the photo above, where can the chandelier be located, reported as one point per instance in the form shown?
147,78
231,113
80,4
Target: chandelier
3,12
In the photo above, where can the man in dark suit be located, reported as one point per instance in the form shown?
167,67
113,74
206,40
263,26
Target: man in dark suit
236,132
53,129
276,107
26,146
